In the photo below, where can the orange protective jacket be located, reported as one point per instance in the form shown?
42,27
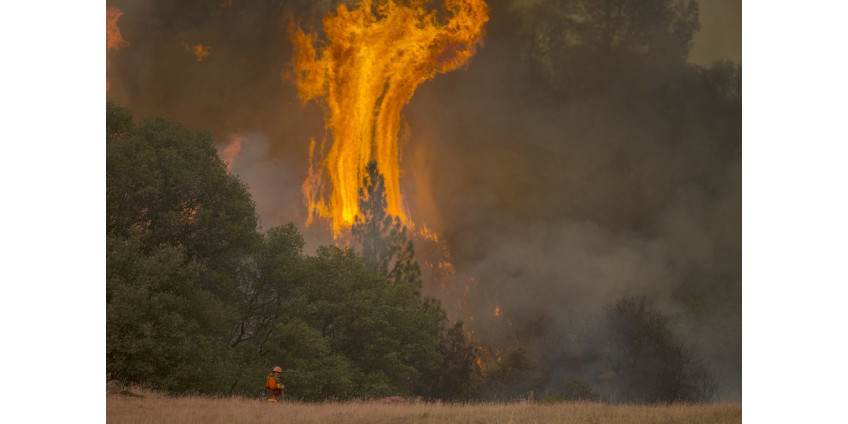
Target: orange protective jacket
274,388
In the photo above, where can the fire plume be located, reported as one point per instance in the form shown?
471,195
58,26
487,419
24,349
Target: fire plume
114,40
374,58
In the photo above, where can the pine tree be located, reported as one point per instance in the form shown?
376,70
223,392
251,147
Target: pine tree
386,247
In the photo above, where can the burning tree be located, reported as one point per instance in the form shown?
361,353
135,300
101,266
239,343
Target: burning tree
375,57
386,247
387,251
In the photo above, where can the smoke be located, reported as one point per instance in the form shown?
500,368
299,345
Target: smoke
274,187
556,202
558,208
721,32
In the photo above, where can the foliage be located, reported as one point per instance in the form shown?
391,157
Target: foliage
177,228
165,185
648,360
578,389
455,379
514,376
161,327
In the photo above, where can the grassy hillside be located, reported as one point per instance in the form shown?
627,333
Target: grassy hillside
157,408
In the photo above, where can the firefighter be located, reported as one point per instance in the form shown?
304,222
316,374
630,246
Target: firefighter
273,387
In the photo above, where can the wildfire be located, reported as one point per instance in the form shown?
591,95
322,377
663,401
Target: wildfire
232,150
375,56
198,50
497,312
114,40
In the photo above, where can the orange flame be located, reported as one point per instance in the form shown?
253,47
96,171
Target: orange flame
375,57
232,150
497,312
114,40
198,50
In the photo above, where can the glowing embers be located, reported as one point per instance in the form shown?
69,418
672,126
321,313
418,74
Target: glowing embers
198,50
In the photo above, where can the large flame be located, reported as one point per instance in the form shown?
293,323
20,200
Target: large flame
114,40
374,58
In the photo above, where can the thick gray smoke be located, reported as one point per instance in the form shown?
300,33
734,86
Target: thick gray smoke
559,199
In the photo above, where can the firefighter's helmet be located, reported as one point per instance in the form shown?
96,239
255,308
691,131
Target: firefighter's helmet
277,369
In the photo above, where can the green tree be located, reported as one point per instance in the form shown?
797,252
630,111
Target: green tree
165,185
339,330
162,328
179,230
376,324
273,273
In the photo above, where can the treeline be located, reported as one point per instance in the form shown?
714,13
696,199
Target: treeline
199,301
628,353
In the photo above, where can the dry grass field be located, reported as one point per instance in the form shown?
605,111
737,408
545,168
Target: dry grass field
156,408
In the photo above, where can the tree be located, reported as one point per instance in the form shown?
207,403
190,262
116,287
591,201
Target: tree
648,360
165,185
273,273
386,247
385,329
577,45
179,230
455,378
162,329
342,331
441,359
514,376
